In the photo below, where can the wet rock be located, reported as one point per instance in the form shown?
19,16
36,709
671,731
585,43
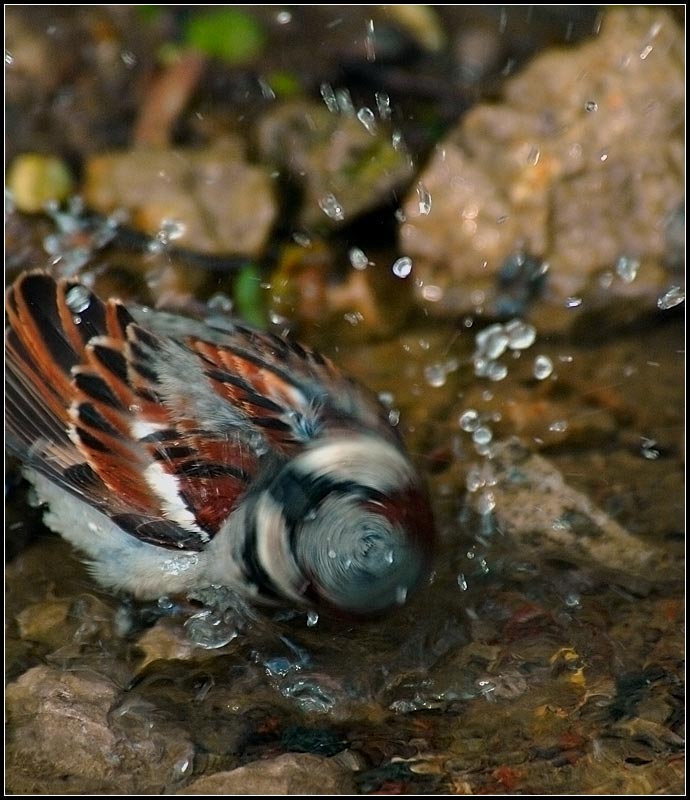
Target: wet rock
343,157
537,508
291,773
44,622
73,727
580,165
211,200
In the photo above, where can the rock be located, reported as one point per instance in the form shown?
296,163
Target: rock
209,200
44,622
346,166
292,773
544,515
69,727
34,180
580,165
59,722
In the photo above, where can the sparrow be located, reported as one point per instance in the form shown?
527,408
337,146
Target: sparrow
178,454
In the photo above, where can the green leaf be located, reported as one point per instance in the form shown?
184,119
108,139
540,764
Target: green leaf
284,84
249,296
226,33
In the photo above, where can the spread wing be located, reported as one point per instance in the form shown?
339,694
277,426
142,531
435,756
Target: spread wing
160,422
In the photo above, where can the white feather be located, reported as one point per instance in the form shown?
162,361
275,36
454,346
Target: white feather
167,489
140,428
369,460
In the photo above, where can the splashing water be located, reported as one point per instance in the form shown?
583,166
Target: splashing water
671,298
331,207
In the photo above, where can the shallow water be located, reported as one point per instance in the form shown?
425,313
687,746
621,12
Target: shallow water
545,654
512,671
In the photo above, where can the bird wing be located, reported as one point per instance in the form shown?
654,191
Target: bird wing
159,421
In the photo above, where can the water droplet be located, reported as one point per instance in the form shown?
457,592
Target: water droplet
475,479
649,449
182,767
481,366
520,334
331,207
496,371
332,553
462,582
9,58
394,417
671,298
302,239
432,293
366,117
383,104
370,41
483,435
389,557
210,630
591,105
469,420
533,156
626,268
424,197
572,600
345,104
220,302
573,302
486,502
78,299
312,618
329,98
283,17
559,426
401,594
435,375
358,258
279,666
543,367
492,341
353,317
128,58
169,231
266,89
402,267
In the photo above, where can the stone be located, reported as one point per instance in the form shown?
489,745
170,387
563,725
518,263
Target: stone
292,773
579,165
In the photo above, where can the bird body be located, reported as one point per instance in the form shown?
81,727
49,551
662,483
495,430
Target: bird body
178,454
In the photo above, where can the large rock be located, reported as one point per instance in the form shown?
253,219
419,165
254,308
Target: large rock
292,773
209,200
535,506
581,165
75,729
347,165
